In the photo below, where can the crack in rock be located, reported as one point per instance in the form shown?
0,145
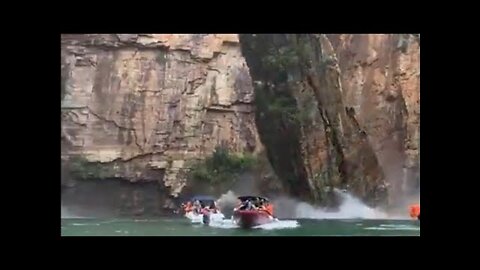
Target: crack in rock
118,126
134,157
108,120
214,69
136,141
152,91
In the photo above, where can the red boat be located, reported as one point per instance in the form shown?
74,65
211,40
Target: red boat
253,211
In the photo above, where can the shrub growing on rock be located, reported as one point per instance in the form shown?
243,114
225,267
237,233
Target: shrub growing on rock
221,168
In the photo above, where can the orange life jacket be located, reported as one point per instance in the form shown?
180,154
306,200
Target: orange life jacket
414,210
188,207
269,209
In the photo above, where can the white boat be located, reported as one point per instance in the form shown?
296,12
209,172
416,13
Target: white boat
199,218
206,211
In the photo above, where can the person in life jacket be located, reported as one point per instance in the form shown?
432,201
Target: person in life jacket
238,206
187,207
205,211
415,211
261,206
213,208
269,209
243,205
251,206
266,206
197,207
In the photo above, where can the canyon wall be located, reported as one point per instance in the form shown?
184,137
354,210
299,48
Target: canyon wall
146,106
381,80
347,107
330,111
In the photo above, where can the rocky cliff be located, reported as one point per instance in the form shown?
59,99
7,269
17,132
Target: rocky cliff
330,110
145,106
381,81
347,109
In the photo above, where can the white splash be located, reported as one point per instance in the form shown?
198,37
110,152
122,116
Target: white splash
279,224
227,201
394,227
199,218
274,225
351,208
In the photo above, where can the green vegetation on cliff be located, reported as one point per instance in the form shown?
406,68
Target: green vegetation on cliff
281,59
221,167
275,66
298,97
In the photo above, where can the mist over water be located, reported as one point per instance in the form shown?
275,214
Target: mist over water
287,208
351,208
227,202
245,185
110,199
67,212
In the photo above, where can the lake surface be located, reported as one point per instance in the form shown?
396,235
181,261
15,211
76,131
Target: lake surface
182,227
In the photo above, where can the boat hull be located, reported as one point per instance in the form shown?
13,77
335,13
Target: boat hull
199,218
251,218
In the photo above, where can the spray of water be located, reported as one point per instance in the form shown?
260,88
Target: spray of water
68,213
245,185
227,202
275,225
287,208
351,208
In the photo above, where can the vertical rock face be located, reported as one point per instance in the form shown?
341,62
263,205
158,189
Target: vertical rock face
147,105
332,110
381,80
346,107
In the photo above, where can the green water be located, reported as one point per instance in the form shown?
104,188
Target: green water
183,227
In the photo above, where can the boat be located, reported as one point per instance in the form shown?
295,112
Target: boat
205,212
253,211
